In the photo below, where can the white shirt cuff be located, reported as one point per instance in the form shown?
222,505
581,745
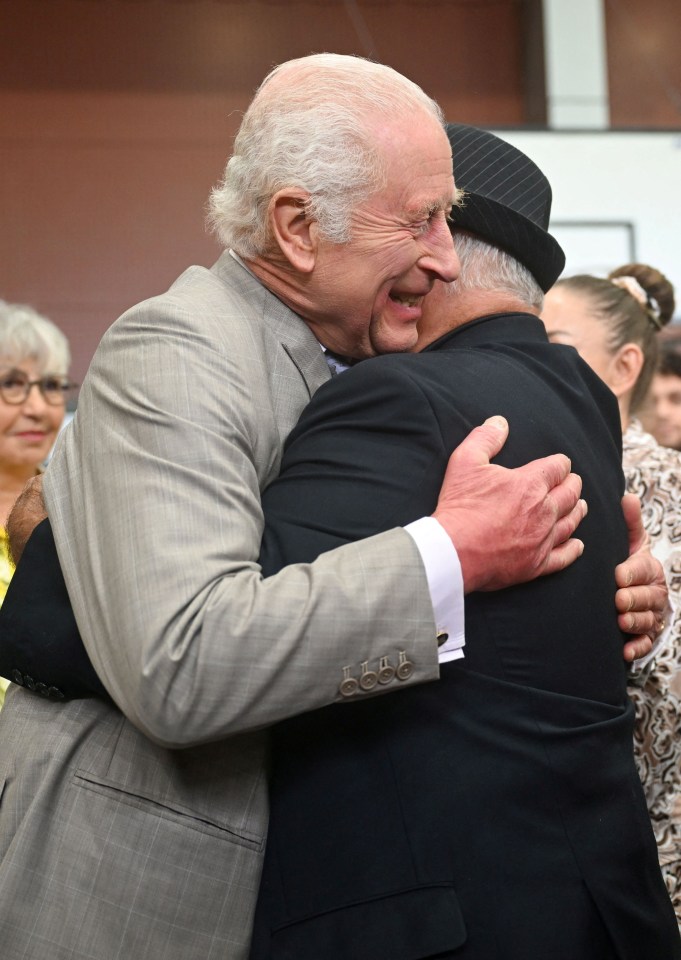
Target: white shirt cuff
445,582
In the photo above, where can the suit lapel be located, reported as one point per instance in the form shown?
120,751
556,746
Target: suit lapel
295,364
291,332
297,367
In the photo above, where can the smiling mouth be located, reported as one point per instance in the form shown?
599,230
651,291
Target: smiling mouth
408,301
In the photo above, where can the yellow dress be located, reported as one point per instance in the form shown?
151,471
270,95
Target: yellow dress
6,571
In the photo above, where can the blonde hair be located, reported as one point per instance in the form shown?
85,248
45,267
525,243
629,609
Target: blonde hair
629,318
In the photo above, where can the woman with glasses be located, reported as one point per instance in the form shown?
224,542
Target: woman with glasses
613,323
34,386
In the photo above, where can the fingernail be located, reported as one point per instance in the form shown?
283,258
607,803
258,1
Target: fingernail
497,422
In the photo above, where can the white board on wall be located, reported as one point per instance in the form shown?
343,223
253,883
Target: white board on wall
607,184
594,247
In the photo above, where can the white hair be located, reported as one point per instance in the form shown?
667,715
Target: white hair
310,126
486,267
26,335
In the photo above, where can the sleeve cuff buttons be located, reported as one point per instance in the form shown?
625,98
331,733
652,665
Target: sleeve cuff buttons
370,678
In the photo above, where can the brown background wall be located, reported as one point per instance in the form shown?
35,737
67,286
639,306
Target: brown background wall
116,117
644,63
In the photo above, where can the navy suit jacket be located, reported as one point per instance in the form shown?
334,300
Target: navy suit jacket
496,813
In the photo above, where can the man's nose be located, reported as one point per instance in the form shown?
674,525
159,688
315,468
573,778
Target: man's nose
441,258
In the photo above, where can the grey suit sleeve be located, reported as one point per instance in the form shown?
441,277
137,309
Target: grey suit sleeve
154,497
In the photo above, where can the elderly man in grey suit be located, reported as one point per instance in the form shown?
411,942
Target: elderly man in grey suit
112,843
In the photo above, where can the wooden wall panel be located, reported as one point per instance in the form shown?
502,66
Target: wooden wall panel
211,45
644,63
116,117
103,203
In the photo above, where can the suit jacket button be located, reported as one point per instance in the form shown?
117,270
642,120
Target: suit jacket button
348,687
18,677
41,688
386,674
368,680
405,670
54,693
29,683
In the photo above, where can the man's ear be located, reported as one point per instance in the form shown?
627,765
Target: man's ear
625,368
293,231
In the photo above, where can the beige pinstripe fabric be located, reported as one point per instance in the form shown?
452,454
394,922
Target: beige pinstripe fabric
112,843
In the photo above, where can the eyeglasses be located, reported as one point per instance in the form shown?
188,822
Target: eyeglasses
15,387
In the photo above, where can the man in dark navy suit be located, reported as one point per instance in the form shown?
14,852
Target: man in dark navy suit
496,813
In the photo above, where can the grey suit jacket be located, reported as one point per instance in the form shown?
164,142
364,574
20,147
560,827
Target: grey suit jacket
112,843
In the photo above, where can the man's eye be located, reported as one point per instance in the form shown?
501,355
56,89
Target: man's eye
424,225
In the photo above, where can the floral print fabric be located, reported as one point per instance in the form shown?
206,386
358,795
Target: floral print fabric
653,473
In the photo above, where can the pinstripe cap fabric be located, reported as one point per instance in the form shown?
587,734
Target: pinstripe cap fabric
508,200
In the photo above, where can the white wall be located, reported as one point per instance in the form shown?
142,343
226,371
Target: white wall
575,53
612,177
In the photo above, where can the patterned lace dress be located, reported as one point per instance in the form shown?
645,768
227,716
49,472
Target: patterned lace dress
653,473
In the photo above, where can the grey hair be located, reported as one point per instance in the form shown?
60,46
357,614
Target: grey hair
486,267
27,335
311,126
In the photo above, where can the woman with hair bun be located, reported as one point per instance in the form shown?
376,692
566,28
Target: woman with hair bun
613,324
34,362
